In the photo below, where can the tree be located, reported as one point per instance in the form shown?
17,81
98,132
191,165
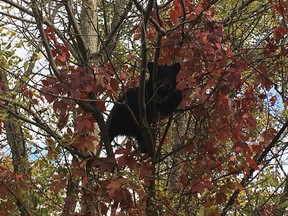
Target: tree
222,152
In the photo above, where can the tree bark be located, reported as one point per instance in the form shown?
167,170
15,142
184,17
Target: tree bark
16,141
88,25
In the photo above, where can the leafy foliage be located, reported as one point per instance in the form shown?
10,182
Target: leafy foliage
222,152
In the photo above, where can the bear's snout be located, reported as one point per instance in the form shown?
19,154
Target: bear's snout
166,85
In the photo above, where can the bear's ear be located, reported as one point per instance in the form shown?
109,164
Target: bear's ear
176,67
150,67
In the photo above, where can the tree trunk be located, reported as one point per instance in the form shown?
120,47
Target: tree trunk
16,141
88,24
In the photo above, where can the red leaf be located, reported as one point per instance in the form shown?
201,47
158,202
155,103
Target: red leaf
50,81
123,76
199,8
137,34
238,149
253,165
62,121
61,58
50,34
58,184
221,197
146,173
197,186
114,84
281,8
279,32
177,7
122,161
266,137
101,105
250,121
150,36
262,96
174,16
273,100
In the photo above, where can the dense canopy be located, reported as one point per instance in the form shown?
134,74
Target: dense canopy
65,63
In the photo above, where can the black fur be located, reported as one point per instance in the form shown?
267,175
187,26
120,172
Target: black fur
124,116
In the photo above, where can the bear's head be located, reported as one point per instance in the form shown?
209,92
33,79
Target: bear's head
166,78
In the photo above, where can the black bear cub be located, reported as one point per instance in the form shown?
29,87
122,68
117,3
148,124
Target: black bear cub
124,116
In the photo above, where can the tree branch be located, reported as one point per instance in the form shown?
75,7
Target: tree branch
251,171
80,40
39,21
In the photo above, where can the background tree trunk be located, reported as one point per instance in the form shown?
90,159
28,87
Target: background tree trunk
16,141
